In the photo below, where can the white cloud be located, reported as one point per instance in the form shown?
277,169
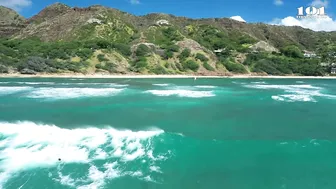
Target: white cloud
278,2
237,18
135,2
16,4
316,24
320,3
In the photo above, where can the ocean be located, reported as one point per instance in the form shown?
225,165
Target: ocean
167,133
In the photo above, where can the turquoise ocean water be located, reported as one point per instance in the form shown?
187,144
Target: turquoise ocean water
167,133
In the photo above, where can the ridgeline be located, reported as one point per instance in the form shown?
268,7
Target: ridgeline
97,39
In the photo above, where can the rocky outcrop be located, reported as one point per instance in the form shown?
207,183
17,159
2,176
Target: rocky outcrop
10,22
50,12
264,46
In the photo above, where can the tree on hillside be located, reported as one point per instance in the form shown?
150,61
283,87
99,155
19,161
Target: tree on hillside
292,51
142,50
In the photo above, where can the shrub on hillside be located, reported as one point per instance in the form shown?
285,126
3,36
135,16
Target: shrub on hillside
159,70
184,54
292,51
142,50
191,65
173,48
168,54
84,53
201,57
208,66
110,67
37,64
266,66
123,49
102,58
234,67
141,63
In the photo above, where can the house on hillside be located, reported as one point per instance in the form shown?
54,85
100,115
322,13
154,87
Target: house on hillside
218,50
309,54
324,64
162,22
333,71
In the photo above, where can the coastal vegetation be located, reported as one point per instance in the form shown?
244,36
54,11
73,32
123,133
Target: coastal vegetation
105,40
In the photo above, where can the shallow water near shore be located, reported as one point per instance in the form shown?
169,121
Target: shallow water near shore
167,133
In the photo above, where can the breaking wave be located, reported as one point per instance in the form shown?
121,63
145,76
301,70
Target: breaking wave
12,90
35,83
295,93
162,84
101,84
182,93
28,145
69,93
293,98
205,86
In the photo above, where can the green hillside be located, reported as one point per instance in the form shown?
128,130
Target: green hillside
97,39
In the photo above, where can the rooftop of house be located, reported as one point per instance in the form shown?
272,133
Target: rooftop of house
309,52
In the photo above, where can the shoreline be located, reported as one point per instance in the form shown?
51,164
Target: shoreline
82,76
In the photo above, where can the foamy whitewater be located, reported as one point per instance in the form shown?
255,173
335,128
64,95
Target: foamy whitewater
303,93
11,90
27,145
182,93
67,93
167,133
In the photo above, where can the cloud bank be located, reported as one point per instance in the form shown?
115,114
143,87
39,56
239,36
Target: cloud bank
16,4
326,23
237,18
316,24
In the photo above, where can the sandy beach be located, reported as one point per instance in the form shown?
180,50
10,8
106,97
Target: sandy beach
155,76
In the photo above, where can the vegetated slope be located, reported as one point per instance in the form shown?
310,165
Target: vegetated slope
10,22
106,40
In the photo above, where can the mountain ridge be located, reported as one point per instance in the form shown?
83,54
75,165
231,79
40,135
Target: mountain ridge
158,42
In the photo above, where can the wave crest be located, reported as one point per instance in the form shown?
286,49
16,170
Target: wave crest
69,93
12,90
182,93
28,145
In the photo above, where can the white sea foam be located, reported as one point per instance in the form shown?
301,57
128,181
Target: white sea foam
155,169
278,98
118,85
36,83
294,98
162,84
205,86
283,87
76,79
12,90
182,93
294,93
65,179
259,82
27,145
100,84
69,93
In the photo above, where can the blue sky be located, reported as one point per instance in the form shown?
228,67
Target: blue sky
267,11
